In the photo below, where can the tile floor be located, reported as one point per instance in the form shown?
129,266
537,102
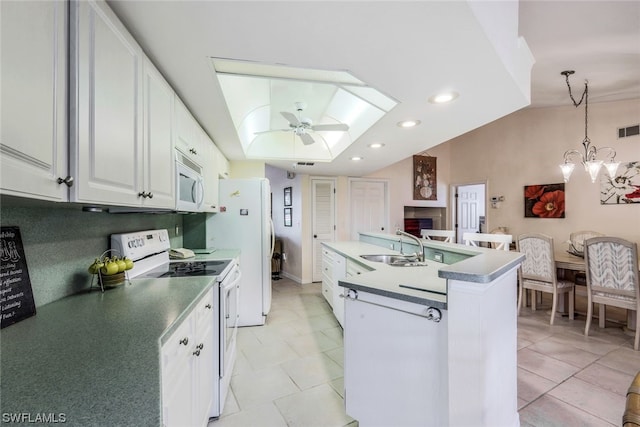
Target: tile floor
290,373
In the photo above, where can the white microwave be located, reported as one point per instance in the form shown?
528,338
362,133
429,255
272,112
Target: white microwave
189,185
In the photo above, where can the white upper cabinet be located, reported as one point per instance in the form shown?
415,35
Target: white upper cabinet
210,172
106,126
188,133
223,163
33,134
158,156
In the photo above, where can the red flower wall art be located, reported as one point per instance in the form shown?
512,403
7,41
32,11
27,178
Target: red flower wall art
544,201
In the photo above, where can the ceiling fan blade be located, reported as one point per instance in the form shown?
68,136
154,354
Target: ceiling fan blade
272,130
291,118
306,139
331,127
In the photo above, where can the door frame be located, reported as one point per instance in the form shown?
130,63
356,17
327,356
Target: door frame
334,180
453,190
387,202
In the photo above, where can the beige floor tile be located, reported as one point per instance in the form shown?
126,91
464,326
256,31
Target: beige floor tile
532,386
316,323
545,366
266,415
564,351
312,343
241,365
604,377
230,405
337,355
261,387
246,337
624,359
589,398
317,407
588,343
334,333
548,411
282,315
271,354
338,386
311,371
276,332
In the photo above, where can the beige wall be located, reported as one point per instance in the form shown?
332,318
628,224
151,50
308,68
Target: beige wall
247,169
526,148
400,176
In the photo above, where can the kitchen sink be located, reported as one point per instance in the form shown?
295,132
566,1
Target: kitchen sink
395,260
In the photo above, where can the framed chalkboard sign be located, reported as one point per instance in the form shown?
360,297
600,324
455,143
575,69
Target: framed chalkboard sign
16,295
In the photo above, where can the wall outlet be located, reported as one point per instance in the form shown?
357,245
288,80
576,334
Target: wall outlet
438,256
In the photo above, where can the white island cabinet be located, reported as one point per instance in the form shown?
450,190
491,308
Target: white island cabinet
430,345
394,359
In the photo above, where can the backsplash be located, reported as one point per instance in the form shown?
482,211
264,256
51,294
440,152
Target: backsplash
61,241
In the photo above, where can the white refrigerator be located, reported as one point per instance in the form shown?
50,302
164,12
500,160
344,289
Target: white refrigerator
244,222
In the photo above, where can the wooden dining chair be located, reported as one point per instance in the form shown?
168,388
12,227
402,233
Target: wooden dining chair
612,278
502,241
447,235
538,272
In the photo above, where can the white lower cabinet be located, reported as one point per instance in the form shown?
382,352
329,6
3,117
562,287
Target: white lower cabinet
395,362
188,358
333,270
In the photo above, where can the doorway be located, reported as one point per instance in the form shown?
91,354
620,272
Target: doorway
323,219
469,213
368,206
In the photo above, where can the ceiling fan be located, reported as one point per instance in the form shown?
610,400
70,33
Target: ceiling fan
302,125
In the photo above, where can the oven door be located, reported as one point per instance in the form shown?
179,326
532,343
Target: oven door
229,315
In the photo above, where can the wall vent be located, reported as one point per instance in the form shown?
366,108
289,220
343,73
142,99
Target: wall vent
629,131
306,163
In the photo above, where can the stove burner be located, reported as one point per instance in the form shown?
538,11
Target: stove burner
189,268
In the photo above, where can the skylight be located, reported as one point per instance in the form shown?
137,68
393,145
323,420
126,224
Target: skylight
312,101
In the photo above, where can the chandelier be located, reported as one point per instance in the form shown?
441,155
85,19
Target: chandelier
589,158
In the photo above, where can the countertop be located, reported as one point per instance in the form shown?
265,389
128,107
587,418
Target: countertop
482,266
93,356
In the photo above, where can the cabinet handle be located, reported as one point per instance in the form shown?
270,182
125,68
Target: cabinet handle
207,306
193,151
68,181
184,341
200,346
142,194
196,353
150,195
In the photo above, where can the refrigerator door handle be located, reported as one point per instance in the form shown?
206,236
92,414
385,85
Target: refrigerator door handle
273,237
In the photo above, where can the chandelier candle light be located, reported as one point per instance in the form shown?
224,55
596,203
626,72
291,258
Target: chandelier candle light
589,159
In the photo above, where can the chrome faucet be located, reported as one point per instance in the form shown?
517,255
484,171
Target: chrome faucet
420,255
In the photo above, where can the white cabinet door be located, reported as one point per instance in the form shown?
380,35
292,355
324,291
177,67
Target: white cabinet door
158,158
339,273
223,164
106,134
33,135
210,171
188,133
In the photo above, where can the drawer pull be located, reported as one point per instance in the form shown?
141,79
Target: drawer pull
184,341
200,346
208,306
196,353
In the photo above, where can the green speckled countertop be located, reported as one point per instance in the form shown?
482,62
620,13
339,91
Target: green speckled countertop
93,356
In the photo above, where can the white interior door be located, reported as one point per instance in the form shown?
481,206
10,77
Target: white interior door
369,207
470,207
323,220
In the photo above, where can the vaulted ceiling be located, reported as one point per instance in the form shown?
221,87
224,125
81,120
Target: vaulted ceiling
409,51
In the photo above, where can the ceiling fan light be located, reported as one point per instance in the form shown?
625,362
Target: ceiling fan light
593,167
376,145
612,168
357,158
567,170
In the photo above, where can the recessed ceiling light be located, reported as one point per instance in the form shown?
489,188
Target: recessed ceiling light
443,97
409,123
357,158
376,145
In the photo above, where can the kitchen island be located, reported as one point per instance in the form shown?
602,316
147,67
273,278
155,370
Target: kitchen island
93,359
430,345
